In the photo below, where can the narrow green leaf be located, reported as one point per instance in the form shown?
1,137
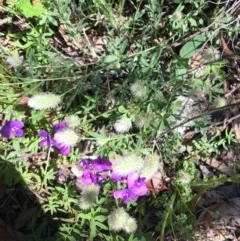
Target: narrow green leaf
191,47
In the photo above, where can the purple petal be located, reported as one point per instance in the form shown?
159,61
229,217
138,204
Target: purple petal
139,190
16,123
100,178
132,177
42,143
116,177
12,128
88,177
136,184
125,194
84,163
101,164
59,126
43,133
63,149
47,140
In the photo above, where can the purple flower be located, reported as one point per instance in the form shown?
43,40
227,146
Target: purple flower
47,140
136,187
116,177
59,126
125,194
84,163
136,184
88,177
101,164
100,178
12,128
63,149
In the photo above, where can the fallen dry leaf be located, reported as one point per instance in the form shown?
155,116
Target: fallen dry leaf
226,49
219,165
157,184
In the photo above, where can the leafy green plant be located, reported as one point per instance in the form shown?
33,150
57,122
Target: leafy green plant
84,86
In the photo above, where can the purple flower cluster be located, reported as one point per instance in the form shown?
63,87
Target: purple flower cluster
97,170
135,188
48,140
12,128
94,171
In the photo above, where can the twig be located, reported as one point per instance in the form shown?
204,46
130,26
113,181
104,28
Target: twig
209,112
233,90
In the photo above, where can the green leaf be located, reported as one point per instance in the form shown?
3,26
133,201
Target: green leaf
93,231
101,225
110,58
29,10
191,47
121,109
100,218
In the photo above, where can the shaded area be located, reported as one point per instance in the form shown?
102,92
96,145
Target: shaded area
21,217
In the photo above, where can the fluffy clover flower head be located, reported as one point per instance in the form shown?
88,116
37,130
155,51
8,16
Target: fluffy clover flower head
14,60
128,163
130,226
117,219
138,90
184,177
124,124
72,121
151,166
12,128
88,196
66,137
211,54
44,101
142,121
